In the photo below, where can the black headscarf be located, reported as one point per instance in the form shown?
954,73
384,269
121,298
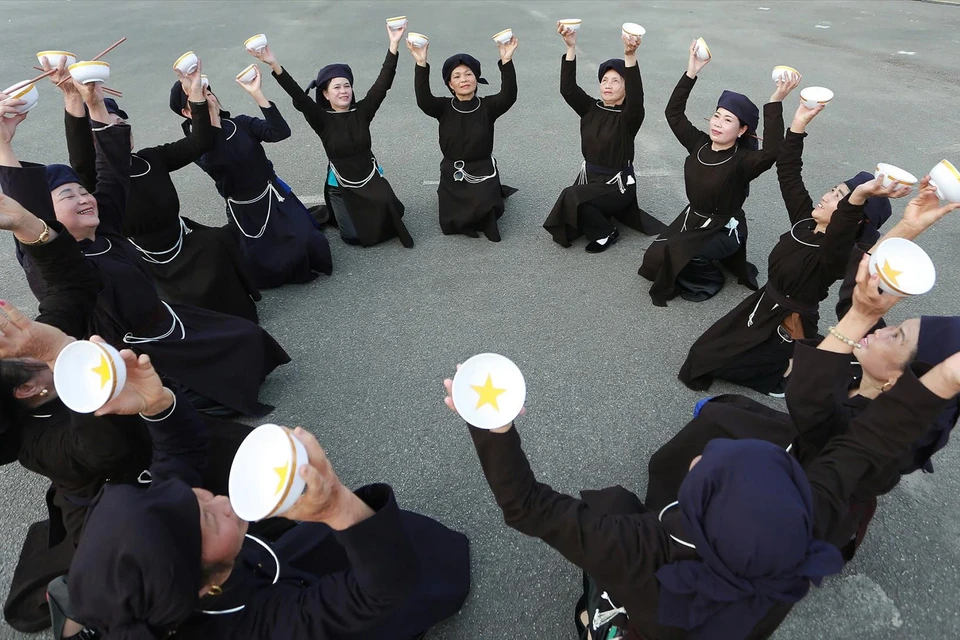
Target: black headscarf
59,175
178,99
114,108
877,209
748,114
616,64
136,573
325,75
748,508
455,61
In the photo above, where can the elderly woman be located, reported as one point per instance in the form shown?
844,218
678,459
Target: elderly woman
221,359
191,263
278,238
752,345
606,187
470,192
717,174
362,201
179,558
746,538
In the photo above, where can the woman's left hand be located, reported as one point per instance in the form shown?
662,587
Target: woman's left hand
924,209
507,49
395,36
874,188
21,337
252,87
784,87
143,392
448,400
630,43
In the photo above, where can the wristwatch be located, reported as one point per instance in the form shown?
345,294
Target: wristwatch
44,235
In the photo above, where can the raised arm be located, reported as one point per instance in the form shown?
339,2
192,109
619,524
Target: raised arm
755,163
378,92
302,102
187,150
687,134
428,103
633,111
570,91
501,102
272,128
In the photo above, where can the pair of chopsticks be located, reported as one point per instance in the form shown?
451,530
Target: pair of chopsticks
107,90
97,57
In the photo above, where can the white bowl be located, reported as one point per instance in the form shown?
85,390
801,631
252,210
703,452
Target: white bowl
813,96
489,391
571,23
504,36
904,269
88,375
783,73
397,23
187,63
264,479
946,178
89,71
248,74
893,174
256,43
204,81
417,39
26,92
632,29
54,57
703,51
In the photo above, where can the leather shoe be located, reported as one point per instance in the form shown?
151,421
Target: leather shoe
596,247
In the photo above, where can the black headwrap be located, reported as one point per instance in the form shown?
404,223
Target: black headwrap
748,113
178,99
616,64
136,573
114,108
455,61
60,174
325,75
877,209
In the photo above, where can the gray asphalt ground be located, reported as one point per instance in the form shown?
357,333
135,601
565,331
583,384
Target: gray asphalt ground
371,344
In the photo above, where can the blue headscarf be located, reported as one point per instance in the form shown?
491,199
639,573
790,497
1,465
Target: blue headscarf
877,209
325,75
748,113
59,175
748,509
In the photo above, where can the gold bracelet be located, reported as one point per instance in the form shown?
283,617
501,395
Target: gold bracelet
44,235
842,338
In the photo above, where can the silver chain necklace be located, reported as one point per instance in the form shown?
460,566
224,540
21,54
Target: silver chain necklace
717,164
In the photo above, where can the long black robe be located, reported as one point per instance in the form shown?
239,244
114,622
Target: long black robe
219,356
276,234
716,195
801,268
623,552
374,209
466,135
607,143
191,263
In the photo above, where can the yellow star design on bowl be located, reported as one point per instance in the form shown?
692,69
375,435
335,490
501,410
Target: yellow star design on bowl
891,273
103,370
282,473
488,393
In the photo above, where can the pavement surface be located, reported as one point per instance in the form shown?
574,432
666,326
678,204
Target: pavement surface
372,343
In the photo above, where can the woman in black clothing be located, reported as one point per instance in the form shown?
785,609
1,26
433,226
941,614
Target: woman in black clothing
191,263
278,238
752,345
362,201
188,344
606,187
470,192
717,174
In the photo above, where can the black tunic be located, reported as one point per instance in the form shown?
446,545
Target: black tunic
276,234
466,135
716,194
221,357
623,552
802,267
607,143
191,263
374,208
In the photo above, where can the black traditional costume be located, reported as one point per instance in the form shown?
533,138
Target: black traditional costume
470,192
750,345
191,263
278,238
220,357
713,226
362,201
626,552
606,187
389,577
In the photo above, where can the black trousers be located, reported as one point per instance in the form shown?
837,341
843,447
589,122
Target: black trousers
701,278
593,217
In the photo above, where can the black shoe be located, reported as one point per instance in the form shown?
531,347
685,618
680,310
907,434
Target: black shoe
596,247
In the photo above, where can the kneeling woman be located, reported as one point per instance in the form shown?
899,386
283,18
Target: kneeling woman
277,235
360,198
717,175
471,195
606,187
752,345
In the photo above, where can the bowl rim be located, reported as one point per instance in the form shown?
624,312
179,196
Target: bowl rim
86,63
41,54
251,38
700,40
414,34
500,33
571,21
788,68
250,66
951,168
182,58
395,18
903,182
22,91
624,25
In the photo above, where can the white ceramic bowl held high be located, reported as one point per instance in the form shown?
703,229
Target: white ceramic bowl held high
418,40
396,23
503,37
903,268
783,73
23,91
632,29
892,174
54,57
571,23
264,480
814,96
187,63
88,375
89,71
256,43
946,178
248,74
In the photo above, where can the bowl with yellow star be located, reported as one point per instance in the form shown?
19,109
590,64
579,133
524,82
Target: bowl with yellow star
903,268
489,391
263,477
88,375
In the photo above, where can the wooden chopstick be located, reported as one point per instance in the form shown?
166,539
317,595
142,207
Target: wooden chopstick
112,92
102,53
